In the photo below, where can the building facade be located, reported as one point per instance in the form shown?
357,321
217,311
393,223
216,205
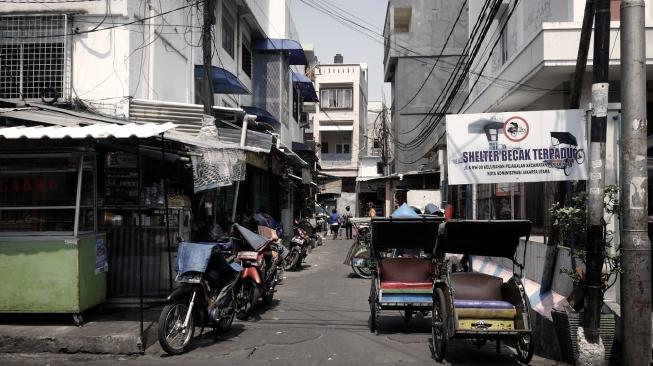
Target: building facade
337,123
415,34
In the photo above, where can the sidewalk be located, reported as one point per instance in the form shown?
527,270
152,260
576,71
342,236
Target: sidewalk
115,331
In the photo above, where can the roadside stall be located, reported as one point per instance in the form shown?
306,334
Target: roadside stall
53,257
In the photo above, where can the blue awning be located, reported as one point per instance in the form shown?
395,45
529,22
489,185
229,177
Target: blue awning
224,82
261,115
292,48
305,86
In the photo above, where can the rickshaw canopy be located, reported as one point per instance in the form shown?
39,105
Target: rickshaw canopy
487,238
404,233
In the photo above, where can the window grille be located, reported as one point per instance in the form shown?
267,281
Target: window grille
34,60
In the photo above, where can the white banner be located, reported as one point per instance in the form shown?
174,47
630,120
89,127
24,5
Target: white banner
511,147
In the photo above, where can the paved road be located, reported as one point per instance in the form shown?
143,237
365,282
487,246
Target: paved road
319,317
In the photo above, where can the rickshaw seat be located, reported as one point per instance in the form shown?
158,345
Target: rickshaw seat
477,286
405,274
478,295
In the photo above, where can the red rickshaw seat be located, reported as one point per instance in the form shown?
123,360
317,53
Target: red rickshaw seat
405,273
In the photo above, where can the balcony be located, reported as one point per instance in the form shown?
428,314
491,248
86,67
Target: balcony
333,160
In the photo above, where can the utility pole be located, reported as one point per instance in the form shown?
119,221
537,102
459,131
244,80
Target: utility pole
596,205
207,56
635,244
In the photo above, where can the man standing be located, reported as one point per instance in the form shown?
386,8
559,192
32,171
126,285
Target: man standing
371,212
347,219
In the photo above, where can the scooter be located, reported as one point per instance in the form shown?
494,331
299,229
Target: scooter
260,275
299,247
205,296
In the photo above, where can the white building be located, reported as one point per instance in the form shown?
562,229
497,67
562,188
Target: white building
110,53
338,121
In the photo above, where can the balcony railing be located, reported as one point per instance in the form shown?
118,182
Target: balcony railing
335,159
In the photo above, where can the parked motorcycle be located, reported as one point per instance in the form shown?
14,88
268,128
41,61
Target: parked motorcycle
358,256
260,275
205,296
299,247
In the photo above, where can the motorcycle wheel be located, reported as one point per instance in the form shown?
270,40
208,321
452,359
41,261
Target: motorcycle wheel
225,323
172,337
246,297
293,261
268,296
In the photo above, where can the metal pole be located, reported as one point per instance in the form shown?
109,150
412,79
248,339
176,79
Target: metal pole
78,195
635,245
512,202
138,237
243,138
165,206
596,205
207,88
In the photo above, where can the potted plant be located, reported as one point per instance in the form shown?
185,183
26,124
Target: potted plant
571,223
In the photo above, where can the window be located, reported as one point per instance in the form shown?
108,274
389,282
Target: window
376,143
504,45
246,59
228,30
33,56
402,19
343,149
336,98
295,104
324,149
379,167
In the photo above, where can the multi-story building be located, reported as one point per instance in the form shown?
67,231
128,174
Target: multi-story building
112,54
415,34
338,121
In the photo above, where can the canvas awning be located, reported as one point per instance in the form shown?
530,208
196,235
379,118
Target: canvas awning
224,82
290,47
305,87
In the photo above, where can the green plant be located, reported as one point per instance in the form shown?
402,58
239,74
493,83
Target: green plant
571,223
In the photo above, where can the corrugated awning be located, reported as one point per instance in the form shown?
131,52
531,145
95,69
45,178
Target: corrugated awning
96,131
224,82
305,86
290,47
292,157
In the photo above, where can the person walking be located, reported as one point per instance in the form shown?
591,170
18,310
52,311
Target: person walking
347,220
334,223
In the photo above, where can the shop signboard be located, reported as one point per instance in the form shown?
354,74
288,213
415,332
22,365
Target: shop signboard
511,147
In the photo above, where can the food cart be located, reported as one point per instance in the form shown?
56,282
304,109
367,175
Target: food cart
52,259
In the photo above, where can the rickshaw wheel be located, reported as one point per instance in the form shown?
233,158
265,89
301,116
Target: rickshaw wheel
373,310
439,326
524,347
580,156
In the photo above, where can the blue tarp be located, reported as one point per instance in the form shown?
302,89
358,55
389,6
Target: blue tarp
193,257
224,82
290,47
404,211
